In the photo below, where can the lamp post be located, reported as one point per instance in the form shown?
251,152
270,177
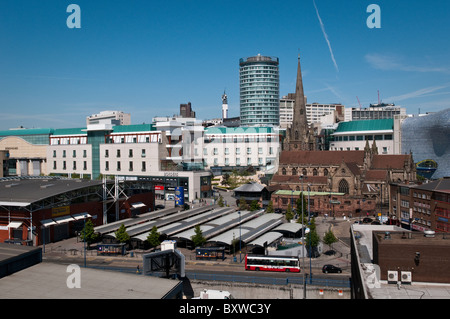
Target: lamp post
240,238
310,247
303,238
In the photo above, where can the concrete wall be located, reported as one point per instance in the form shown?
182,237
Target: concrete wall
259,291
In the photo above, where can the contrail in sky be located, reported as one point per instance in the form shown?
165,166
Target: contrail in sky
326,37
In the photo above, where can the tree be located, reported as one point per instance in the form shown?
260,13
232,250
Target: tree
220,201
122,235
299,206
269,209
329,238
153,237
254,205
289,214
87,234
312,238
243,204
198,238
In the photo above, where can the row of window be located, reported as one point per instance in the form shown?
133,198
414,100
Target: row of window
130,166
74,153
237,151
130,153
238,161
74,165
294,172
370,137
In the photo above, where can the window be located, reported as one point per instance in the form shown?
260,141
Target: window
118,153
294,171
74,153
106,153
260,150
64,165
143,153
64,153
238,151
118,166
130,153
130,166
260,161
84,153
205,151
106,166
304,172
238,162
270,150
54,164
314,172
216,162
74,167
325,172
144,166
249,161
249,150
343,187
54,153
283,171
227,151
227,161
84,165
215,151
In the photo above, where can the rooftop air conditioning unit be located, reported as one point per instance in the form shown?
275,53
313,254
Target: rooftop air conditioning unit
406,277
392,276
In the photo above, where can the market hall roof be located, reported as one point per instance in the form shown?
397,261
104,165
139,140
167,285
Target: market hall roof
21,192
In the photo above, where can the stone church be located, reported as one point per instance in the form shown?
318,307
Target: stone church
342,182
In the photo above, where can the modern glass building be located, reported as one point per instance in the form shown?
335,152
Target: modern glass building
428,138
259,90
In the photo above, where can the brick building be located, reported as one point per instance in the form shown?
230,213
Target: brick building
422,207
360,177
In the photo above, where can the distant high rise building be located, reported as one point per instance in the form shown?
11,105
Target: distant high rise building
186,110
111,117
259,90
224,106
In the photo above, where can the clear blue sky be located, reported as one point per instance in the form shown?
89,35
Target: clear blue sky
147,57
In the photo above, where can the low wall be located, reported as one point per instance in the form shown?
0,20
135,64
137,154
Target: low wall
260,291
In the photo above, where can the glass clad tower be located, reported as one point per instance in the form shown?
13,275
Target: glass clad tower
259,90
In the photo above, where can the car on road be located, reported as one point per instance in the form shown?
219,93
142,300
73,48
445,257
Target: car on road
331,268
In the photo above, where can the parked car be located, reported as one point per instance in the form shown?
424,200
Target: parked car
330,268
159,207
367,220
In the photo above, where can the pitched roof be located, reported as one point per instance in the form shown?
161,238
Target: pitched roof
376,175
389,161
250,187
322,157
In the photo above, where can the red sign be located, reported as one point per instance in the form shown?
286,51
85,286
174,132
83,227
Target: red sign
159,187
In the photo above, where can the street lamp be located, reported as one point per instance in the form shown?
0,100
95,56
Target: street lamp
309,223
303,238
240,238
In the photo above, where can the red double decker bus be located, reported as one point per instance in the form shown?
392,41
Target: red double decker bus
272,263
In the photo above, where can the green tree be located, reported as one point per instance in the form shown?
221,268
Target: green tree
220,201
122,235
312,238
198,238
88,234
254,205
329,239
153,237
243,204
298,210
269,209
289,214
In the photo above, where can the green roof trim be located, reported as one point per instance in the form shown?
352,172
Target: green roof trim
365,125
133,128
297,193
30,131
239,130
70,131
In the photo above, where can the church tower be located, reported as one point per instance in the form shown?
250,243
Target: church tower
299,137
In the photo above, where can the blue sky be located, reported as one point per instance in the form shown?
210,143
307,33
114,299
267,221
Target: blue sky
148,57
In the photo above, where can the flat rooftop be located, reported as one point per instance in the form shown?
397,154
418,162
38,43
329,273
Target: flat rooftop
49,281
